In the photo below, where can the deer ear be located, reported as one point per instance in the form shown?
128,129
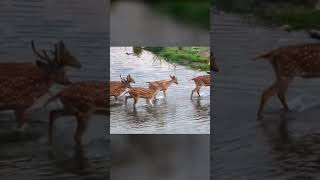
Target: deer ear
170,76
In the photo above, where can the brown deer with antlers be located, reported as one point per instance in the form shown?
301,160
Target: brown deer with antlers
81,99
19,90
119,87
289,62
164,84
140,92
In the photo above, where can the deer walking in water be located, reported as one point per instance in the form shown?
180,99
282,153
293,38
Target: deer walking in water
81,99
200,81
119,87
140,92
164,84
290,62
19,90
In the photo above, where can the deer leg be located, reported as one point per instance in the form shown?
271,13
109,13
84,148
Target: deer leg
126,99
164,93
198,91
55,114
20,117
283,87
271,91
150,102
135,100
116,98
194,90
82,124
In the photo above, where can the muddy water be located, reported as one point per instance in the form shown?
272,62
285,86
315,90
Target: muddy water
281,146
83,27
175,114
179,157
135,23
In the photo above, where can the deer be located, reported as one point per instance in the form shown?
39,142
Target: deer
289,62
19,90
117,88
16,69
80,99
200,81
164,84
141,92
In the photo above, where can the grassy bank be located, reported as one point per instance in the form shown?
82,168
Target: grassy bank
296,14
196,58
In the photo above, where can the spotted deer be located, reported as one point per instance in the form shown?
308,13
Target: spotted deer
200,81
289,62
25,69
140,92
19,90
164,84
81,99
119,87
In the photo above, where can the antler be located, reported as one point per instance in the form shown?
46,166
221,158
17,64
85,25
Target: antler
44,57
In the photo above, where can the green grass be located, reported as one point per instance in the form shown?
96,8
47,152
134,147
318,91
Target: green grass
196,58
186,11
298,14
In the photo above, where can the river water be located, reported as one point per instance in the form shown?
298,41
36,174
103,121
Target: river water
177,114
281,146
145,157
84,28
136,23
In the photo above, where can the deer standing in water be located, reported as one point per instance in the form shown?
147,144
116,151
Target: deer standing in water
119,87
164,84
290,62
146,93
81,99
19,90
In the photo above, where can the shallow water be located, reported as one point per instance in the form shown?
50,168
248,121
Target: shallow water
144,157
135,23
176,114
281,146
83,27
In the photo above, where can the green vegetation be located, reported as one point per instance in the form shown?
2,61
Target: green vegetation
197,58
186,11
296,14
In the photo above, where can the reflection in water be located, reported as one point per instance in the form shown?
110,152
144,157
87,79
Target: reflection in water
134,22
282,146
143,157
25,155
174,114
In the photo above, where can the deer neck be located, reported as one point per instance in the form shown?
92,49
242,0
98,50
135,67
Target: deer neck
169,82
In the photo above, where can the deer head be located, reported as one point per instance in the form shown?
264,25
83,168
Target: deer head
174,79
54,68
125,81
130,79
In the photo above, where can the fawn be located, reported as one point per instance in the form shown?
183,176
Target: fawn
140,92
164,84
289,62
19,90
81,99
200,81
119,87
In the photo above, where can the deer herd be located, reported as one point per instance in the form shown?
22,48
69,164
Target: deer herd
22,84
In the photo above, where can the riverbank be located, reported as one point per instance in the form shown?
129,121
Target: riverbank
196,58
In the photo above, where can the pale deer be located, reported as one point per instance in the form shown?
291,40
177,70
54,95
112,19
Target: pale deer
119,87
81,99
140,92
289,62
164,84
19,90
200,81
